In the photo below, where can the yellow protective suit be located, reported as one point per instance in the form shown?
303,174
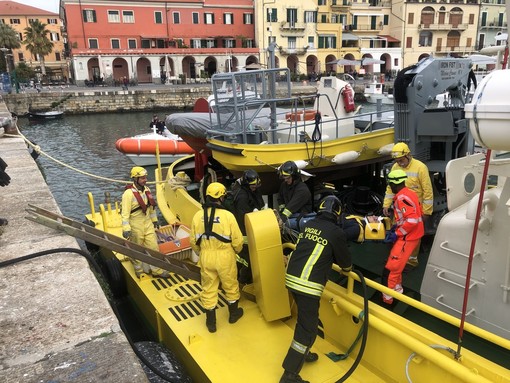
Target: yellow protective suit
141,226
217,259
418,180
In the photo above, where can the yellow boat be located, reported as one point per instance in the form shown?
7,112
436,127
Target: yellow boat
359,340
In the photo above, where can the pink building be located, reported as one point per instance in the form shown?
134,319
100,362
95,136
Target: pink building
158,41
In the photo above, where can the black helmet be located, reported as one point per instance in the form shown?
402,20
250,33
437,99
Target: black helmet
330,204
250,177
289,168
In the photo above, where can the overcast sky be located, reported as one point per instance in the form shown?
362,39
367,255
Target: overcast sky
48,5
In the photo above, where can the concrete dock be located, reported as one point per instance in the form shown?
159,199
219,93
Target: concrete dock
55,321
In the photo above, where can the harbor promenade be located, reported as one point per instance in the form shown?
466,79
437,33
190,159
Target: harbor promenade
55,321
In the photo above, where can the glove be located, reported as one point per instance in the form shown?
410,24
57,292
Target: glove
156,225
126,234
4,178
391,237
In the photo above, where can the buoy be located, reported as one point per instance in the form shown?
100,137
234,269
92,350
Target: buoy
301,115
345,158
385,150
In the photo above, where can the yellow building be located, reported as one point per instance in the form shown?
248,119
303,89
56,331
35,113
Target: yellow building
18,16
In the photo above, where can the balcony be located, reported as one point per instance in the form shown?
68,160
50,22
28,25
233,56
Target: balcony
443,27
286,51
287,26
496,26
341,5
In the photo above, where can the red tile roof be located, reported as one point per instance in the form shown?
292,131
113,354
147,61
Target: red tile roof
11,8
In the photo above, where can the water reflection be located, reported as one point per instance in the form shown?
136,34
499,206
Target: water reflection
86,143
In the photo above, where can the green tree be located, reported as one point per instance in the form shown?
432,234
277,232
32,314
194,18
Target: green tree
9,40
24,73
37,42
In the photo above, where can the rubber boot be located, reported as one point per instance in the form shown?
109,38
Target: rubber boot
235,312
210,321
290,377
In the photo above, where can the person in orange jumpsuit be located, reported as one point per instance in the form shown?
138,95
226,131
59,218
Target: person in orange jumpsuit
408,232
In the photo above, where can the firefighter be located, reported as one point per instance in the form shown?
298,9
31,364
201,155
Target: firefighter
216,238
320,244
294,196
139,220
407,234
247,198
418,180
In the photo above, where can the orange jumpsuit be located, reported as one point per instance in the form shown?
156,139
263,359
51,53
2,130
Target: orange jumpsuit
408,218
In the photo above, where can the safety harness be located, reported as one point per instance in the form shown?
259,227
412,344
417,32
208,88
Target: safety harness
141,204
208,224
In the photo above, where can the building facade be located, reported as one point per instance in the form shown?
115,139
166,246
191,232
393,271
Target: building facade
159,41
18,16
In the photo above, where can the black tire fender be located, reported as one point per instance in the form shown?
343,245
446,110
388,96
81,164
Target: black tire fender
115,278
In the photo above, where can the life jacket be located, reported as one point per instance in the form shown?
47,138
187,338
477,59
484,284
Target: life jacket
208,224
139,199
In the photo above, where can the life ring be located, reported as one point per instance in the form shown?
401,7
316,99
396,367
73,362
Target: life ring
301,115
115,278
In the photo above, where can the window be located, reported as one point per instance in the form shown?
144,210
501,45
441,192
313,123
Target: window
272,15
248,43
89,16
386,19
115,44
195,43
209,18
229,43
410,18
57,56
54,36
327,42
20,56
128,17
228,18
113,17
291,42
248,18
131,43
15,21
210,43
146,44
2,21
409,42
20,36
322,2
52,21
311,42
93,44
292,16
425,39
176,17
195,18
310,17
158,17
31,20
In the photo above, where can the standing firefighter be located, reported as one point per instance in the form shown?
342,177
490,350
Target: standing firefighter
216,238
408,231
139,219
321,243
294,196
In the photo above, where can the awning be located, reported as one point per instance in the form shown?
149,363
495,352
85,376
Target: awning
390,39
349,37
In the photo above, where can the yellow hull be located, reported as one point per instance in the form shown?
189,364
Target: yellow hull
252,349
265,158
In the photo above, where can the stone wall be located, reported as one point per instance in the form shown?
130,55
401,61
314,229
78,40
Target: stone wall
98,100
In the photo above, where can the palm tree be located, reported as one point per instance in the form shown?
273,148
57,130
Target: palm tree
9,40
37,41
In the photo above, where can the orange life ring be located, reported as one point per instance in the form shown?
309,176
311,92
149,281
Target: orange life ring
301,115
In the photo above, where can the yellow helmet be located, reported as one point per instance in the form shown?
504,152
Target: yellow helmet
216,190
397,177
399,150
138,171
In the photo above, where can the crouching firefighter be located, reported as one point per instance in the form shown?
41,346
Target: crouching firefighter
139,220
320,244
216,238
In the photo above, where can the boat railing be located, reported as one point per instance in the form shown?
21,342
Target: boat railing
477,331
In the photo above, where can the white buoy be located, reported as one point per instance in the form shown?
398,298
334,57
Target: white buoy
345,158
386,149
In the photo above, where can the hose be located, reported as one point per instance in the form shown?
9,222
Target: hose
96,266
364,328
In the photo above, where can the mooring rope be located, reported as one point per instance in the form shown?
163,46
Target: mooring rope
38,150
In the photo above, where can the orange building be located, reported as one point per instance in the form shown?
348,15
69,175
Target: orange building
18,16
158,41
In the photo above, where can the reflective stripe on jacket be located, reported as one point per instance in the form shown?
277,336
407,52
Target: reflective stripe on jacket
418,180
408,215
